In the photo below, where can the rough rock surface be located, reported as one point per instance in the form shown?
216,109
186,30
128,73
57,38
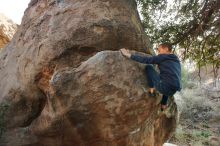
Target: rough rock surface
7,30
57,91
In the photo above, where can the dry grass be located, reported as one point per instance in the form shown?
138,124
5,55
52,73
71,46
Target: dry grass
199,123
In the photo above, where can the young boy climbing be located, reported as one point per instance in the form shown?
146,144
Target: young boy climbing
168,81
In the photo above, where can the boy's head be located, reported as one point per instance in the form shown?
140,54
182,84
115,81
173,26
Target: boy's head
164,48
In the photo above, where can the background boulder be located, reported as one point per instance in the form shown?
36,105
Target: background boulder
7,30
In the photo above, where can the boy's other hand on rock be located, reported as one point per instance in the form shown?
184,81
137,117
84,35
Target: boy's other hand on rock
125,52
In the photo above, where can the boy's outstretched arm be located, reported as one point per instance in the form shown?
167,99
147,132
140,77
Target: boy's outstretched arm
141,59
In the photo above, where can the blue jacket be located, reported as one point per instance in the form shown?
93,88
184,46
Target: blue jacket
169,66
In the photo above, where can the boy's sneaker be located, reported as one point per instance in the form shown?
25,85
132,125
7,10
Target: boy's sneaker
152,94
163,107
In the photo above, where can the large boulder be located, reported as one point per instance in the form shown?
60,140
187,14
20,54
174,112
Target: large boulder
102,102
59,87
7,30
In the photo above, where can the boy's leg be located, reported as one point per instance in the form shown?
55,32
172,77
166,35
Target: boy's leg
152,76
164,100
167,92
154,82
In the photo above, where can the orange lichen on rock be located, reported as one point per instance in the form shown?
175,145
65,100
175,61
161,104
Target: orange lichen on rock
43,78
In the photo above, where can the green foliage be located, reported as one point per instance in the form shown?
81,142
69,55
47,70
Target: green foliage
195,137
189,24
3,109
205,134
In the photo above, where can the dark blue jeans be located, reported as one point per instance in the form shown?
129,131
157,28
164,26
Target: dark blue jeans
154,81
